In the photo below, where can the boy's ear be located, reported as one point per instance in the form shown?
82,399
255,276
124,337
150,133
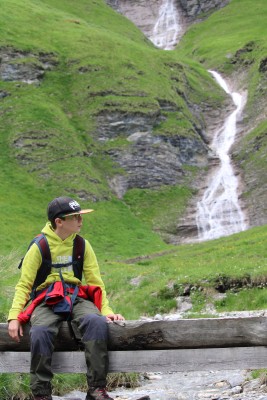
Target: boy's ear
58,222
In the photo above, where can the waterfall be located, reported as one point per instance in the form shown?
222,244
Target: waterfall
219,213
166,29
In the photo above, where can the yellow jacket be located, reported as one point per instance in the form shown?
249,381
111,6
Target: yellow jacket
61,252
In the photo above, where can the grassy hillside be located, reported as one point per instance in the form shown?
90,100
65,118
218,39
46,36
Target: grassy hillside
97,60
47,133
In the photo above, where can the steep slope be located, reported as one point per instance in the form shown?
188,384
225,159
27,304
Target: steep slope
89,107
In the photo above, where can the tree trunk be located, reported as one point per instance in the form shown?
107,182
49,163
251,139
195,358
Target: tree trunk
159,335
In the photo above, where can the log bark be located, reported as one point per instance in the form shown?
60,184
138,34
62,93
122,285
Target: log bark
160,335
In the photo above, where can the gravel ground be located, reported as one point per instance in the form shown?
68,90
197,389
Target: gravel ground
197,385
211,385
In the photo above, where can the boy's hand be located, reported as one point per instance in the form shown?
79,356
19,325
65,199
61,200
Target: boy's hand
15,329
114,317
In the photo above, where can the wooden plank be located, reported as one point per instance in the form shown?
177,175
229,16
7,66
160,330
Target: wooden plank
149,360
180,334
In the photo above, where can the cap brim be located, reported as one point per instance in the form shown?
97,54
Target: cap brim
86,211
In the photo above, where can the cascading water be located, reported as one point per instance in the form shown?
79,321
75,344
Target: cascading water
219,213
166,29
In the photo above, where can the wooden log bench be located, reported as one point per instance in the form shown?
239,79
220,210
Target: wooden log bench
147,346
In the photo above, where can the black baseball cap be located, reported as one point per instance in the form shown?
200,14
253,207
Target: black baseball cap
64,206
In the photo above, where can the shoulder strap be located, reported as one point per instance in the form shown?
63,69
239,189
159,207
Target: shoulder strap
46,264
78,256
45,267
43,246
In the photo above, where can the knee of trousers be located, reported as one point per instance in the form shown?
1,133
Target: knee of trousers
94,327
42,340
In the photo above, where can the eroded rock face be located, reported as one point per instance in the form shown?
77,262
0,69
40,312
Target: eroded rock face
193,8
150,160
119,123
153,161
24,66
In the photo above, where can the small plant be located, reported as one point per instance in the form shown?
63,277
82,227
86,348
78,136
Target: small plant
127,380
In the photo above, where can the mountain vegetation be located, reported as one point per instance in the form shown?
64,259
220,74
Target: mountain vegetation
65,66
91,109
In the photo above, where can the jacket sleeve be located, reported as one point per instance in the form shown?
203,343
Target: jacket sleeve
30,266
92,276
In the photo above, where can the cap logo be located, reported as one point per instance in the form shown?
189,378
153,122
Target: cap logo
74,205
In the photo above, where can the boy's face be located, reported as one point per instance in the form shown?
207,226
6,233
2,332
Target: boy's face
69,224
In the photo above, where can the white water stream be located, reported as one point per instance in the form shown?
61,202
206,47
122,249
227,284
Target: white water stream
219,213
167,28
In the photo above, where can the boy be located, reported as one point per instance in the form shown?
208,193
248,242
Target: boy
65,222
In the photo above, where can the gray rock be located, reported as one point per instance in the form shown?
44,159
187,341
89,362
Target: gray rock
15,65
235,381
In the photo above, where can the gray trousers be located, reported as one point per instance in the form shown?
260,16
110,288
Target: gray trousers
45,325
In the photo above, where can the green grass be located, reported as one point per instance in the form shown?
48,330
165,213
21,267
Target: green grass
17,386
160,208
246,300
215,40
200,264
